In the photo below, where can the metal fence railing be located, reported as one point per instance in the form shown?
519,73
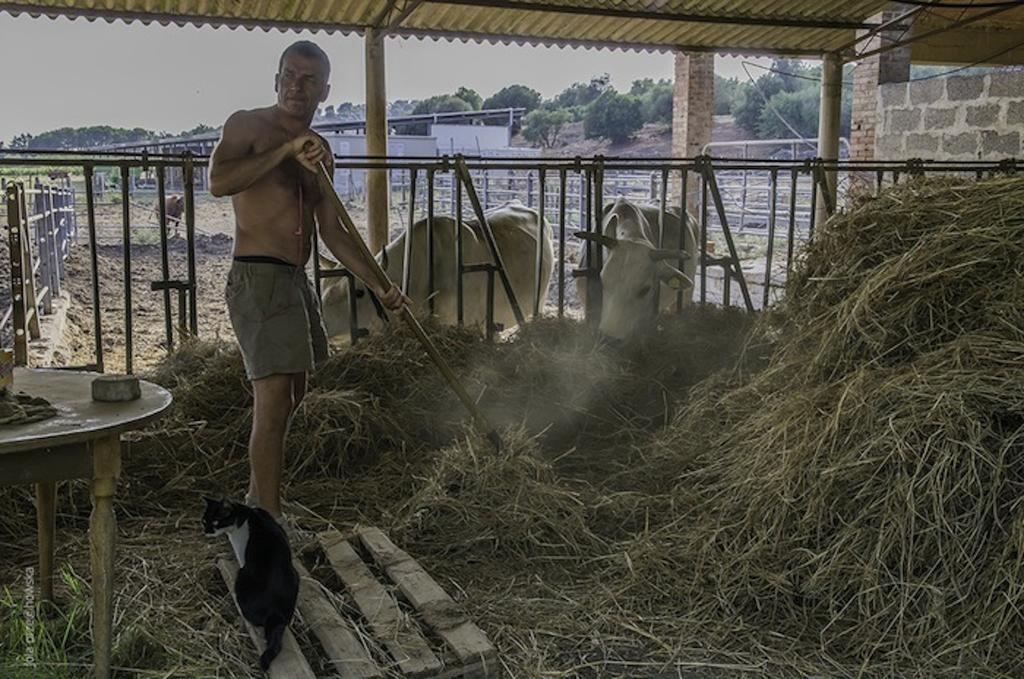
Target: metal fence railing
41,228
734,267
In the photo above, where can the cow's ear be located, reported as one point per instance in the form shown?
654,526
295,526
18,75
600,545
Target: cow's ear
612,224
326,263
672,277
604,240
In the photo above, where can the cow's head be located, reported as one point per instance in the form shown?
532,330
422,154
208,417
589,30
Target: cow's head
335,303
632,273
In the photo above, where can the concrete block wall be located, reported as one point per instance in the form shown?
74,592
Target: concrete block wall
975,117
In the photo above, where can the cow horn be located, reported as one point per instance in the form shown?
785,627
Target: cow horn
326,263
604,240
673,277
658,254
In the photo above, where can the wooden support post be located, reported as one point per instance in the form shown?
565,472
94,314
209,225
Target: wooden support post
828,127
376,140
106,464
46,527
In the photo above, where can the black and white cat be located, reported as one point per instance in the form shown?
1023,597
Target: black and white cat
267,584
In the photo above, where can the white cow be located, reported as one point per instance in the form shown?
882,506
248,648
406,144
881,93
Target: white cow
515,230
633,262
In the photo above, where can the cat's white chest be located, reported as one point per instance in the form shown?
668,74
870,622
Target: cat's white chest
239,538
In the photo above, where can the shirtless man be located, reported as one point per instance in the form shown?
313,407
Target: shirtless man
265,161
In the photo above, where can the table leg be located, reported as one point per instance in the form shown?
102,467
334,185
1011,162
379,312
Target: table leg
46,527
106,462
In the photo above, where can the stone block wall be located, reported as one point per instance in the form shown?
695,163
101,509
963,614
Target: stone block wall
975,117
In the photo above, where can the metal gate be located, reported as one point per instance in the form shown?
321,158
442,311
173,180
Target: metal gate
570,191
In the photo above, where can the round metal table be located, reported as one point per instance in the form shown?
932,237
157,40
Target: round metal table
82,441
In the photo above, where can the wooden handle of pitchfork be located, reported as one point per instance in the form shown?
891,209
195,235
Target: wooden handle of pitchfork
384,283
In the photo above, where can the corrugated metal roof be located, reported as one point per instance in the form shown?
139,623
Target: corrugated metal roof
794,26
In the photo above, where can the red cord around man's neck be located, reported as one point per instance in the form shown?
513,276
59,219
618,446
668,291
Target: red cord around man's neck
299,229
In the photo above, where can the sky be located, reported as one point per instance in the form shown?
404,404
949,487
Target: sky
170,78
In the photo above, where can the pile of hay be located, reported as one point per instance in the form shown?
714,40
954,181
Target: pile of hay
381,440
555,379
846,496
862,487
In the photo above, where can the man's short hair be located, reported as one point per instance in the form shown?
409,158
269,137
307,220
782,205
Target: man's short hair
310,50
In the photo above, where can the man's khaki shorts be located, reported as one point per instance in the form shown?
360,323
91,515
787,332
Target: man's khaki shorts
276,317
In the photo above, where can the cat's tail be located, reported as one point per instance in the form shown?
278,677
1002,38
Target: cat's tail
274,631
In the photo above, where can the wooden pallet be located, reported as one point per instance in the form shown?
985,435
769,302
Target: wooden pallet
383,602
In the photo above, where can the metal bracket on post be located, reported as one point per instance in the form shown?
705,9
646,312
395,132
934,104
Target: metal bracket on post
821,182
182,287
492,245
355,332
489,269
704,166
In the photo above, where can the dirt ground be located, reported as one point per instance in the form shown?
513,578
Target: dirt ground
148,331
214,229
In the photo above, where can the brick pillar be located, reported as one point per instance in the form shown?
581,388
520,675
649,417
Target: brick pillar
693,114
887,67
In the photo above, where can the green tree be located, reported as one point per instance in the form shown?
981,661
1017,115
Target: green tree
656,103
441,103
471,97
542,126
514,96
401,107
641,87
786,75
613,115
198,129
82,137
800,107
346,110
726,91
581,94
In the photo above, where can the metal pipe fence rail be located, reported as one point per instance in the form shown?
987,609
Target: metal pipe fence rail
86,164
573,193
41,227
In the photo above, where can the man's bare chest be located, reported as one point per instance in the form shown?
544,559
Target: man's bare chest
289,173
